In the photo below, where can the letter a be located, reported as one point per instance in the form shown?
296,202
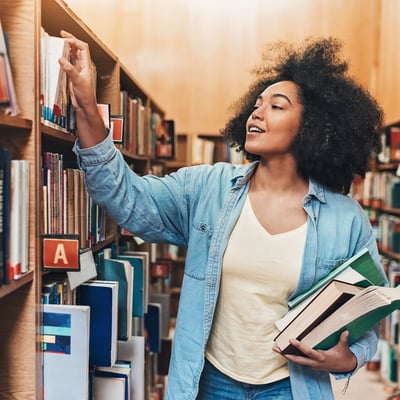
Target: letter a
60,254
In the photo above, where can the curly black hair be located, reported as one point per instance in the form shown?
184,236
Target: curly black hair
341,121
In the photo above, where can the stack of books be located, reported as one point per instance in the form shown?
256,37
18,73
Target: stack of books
352,297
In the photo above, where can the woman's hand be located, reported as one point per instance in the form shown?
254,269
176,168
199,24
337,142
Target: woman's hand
79,68
337,359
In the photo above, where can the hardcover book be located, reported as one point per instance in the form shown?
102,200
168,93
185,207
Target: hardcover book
113,382
361,262
133,350
65,345
337,308
122,272
102,297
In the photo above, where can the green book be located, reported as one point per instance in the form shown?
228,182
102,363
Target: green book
332,296
361,262
357,315
331,313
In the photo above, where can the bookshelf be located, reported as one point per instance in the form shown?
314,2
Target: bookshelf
195,149
379,196
26,138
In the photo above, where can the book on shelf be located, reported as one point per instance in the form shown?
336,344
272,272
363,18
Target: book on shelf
8,97
164,299
88,270
133,350
121,271
113,382
5,190
152,324
56,289
54,94
4,97
394,133
140,262
166,139
65,346
102,297
359,313
19,219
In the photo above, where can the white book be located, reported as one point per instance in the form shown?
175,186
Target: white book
109,388
53,48
65,343
24,206
88,270
133,350
19,219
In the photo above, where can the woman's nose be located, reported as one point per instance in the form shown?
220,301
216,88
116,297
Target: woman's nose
256,114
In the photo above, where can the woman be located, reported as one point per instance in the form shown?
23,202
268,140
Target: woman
258,234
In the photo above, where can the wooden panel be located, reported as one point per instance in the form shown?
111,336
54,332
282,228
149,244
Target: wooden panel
388,80
195,56
18,20
20,365
18,345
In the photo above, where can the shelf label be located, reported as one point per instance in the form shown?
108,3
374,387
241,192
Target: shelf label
61,252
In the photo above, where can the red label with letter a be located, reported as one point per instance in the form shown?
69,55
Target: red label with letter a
61,254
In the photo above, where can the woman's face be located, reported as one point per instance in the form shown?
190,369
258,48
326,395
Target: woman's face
275,121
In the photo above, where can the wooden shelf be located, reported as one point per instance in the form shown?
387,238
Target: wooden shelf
14,285
28,137
10,122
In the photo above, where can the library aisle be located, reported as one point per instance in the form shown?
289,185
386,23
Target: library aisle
363,385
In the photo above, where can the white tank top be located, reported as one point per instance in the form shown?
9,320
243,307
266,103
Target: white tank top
259,273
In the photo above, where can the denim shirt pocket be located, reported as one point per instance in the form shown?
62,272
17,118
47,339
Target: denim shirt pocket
326,265
196,259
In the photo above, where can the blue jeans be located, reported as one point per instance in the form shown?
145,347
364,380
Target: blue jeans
214,385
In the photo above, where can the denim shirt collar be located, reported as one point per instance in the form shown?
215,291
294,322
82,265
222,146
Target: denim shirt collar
244,173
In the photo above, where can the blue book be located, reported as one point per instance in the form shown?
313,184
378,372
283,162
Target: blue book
122,272
139,283
102,297
152,325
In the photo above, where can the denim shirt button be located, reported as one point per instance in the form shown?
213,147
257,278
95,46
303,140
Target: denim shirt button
203,227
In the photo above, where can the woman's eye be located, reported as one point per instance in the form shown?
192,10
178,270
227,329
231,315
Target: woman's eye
276,107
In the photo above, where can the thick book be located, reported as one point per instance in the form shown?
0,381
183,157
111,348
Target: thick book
333,295
65,345
19,219
361,262
107,387
133,350
54,94
152,324
102,297
122,272
138,264
358,314
113,382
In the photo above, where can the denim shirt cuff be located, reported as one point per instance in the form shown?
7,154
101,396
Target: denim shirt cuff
94,155
359,352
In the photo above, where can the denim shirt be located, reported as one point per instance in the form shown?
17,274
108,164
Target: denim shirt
197,208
